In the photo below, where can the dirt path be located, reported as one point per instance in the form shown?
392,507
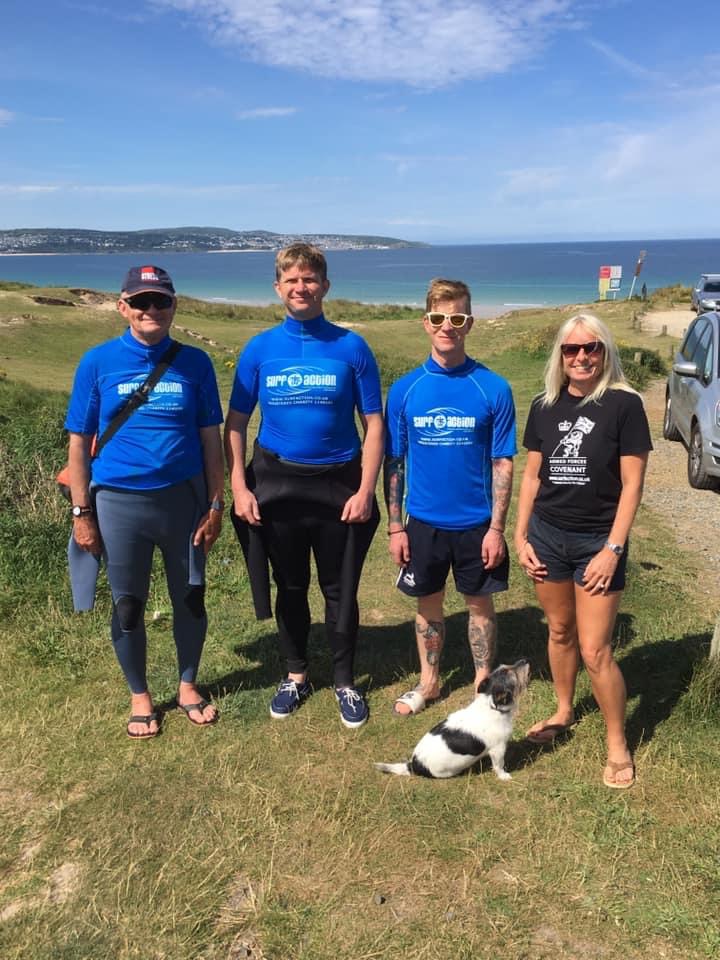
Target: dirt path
694,515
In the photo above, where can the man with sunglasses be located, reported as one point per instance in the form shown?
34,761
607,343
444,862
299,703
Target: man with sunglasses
451,426
158,480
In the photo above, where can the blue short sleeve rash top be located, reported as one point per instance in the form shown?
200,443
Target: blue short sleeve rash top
308,377
449,425
159,445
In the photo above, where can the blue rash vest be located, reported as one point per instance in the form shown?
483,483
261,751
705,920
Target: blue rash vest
159,445
308,377
449,425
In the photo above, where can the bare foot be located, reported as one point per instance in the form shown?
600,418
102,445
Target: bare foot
428,693
141,705
547,731
189,695
619,771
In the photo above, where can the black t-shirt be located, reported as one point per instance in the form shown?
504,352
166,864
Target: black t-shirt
581,445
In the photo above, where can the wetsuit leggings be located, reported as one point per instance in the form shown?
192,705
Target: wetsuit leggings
293,530
132,524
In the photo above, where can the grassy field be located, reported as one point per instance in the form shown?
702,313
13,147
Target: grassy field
258,839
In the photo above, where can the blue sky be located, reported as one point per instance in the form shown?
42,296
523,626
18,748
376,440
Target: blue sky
433,120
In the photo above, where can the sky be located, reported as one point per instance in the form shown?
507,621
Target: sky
434,120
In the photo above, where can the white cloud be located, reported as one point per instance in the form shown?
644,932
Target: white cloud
156,189
6,116
263,112
624,63
423,43
531,181
10,189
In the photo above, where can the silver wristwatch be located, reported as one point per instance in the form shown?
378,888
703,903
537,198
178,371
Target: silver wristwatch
616,548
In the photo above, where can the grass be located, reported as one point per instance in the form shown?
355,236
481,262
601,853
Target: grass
279,840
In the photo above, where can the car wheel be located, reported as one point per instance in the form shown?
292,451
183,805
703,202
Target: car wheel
669,430
698,477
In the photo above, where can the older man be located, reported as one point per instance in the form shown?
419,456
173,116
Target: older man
453,421
310,486
156,482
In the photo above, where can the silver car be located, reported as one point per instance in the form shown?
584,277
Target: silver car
692,401
706,295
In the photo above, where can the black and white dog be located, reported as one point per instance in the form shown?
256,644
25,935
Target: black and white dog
483,728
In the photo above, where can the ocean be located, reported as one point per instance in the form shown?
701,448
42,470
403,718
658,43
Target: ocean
501,276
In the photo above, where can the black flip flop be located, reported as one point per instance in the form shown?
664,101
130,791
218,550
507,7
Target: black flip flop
188,708
147,719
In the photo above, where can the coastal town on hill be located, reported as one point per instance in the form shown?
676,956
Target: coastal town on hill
180,240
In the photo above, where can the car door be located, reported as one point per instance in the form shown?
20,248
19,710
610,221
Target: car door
680,391
697,393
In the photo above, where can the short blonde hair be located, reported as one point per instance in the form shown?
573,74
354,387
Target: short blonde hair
304,254
611,377
441,289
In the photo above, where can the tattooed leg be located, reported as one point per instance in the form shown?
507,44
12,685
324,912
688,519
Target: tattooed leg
430,637
482,635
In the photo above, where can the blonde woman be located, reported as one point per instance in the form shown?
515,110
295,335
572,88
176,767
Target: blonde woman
588,441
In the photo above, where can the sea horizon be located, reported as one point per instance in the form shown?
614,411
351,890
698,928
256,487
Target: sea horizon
502,276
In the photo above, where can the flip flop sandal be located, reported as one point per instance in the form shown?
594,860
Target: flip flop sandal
615,767
188,708
415,700
547,735
147,719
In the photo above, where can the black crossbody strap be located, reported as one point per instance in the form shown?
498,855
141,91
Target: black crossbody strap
139,396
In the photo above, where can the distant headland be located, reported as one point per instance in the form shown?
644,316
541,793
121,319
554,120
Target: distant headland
181,240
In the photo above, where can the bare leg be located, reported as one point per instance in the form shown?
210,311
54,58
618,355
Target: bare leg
482,635
596,620
558,603
430,637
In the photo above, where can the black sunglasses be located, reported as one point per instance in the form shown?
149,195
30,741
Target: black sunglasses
143,301
573,349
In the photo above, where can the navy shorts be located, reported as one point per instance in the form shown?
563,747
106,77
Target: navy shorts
566,553
433,552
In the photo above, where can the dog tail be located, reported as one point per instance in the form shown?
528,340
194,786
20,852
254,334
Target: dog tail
401,769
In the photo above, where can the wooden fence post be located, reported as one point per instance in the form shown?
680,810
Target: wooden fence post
715,643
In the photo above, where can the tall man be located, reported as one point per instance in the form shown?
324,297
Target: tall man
452,421
310,486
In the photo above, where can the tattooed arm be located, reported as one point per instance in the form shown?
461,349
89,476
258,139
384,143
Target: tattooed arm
394,485
493,546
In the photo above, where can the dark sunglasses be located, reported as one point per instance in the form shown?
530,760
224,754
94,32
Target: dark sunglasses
143,301
456,320
573,349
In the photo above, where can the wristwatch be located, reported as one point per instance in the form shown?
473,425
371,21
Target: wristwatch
616,548
82,511
217,505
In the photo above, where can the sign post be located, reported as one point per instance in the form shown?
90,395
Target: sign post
609,280
638,268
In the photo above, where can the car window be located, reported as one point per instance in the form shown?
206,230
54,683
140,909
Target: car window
708,368
711,286
702,349
692,337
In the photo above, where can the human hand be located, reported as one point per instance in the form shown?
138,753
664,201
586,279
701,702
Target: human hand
399,547
358,508
530,563
599,572
246,507
493,548
208,530
87,535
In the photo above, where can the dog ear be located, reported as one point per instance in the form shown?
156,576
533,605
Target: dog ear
483,685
